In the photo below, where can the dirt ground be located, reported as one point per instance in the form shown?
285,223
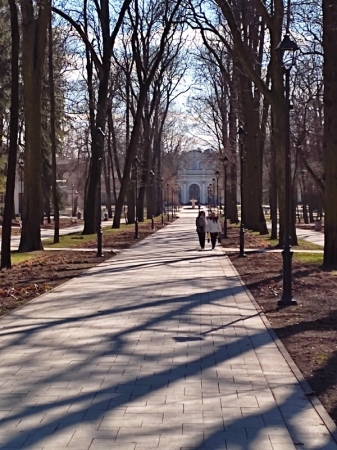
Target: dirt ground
309,329
48,269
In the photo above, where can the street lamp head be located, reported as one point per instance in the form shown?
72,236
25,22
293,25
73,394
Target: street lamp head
286,52
217,174
242,133
100,132
225,161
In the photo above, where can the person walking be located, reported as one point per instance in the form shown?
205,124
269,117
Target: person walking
201,224
213,228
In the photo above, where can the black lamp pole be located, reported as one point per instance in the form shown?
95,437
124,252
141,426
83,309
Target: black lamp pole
225,165
101,136
213,191
217,174
286,50
72,200
161,201
152,198
242,134
167,202
136,164
210,196
21,164
172,203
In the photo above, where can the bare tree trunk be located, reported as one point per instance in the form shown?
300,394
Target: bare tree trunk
273,189
330,130
53,137
14,127
106,172
35,21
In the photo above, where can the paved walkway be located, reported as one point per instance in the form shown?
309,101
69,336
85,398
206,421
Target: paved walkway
160,347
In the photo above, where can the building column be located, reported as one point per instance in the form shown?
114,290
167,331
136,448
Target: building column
201,192
185,193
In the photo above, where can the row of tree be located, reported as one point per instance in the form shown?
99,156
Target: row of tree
129,64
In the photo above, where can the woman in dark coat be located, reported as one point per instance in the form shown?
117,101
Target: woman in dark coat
201,224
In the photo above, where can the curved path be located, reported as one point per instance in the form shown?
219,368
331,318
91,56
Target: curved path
160,347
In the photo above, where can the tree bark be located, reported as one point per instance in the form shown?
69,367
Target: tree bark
330,131
14,127
34,40
53,137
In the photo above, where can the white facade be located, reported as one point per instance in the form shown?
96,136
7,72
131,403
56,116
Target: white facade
195,175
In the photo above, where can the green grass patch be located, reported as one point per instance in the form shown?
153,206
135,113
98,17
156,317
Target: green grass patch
18,258
305,245
68,241
78,239
309,258
302,244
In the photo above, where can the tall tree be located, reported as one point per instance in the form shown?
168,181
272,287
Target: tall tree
35,19
14,126
101,58
330,130
53,134
272,16
171,15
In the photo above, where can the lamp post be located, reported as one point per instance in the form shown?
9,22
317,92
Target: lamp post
286,51
217,174
152,198
136,163
21,164
101,136
213,192
225,165
208,197
72,200
172,202
161,201
167,202
242,133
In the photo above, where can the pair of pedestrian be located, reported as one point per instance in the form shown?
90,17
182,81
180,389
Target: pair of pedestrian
211,225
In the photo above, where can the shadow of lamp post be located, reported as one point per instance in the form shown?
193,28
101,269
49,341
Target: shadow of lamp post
136,163
242,134
225,165
286,52
99,189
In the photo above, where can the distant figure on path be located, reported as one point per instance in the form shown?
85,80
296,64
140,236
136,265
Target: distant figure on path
201,224
213,227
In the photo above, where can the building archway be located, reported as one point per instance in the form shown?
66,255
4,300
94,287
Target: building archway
194,192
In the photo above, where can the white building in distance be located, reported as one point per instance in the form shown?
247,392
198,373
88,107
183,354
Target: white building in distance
195,175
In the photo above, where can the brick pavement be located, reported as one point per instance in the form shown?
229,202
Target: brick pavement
159,347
